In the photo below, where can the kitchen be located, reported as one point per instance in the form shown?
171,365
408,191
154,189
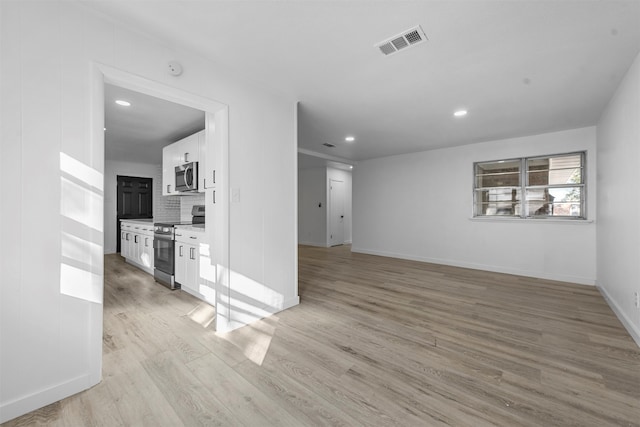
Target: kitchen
52,332
156,159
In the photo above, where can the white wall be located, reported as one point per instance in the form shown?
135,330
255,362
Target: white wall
418,206
344,176
618,237
312,206
111,171
52,143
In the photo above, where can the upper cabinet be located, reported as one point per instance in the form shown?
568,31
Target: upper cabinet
169,160
202,160
186,150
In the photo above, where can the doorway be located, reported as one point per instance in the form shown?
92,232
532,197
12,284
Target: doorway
336,212
134,200
216,195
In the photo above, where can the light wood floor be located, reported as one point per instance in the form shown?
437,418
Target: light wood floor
374,342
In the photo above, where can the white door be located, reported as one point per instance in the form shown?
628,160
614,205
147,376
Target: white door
336,213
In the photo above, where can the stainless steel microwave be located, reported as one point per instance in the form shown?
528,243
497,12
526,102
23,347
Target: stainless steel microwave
187,177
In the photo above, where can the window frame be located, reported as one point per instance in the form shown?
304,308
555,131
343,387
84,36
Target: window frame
524,186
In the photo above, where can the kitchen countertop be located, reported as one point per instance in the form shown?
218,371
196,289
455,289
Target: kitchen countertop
145,221
149,221
197,227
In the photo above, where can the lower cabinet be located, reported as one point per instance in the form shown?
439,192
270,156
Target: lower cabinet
124,244
187,266
144,250
136,244
187,271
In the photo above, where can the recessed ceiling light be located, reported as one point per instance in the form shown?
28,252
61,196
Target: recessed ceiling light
123,103
350,139
350,167
460,113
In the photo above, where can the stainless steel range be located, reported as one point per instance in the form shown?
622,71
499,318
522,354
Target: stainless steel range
164,246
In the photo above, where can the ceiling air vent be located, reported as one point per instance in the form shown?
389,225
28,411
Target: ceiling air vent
408,38
327,144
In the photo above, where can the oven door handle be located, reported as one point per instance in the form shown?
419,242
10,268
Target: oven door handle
163,237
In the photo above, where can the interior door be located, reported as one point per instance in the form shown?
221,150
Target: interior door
134,200
336,212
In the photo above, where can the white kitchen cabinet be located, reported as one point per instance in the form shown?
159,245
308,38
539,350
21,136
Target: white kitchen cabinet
136,244
216,254
124,244
202,161
186,150
187,265
143,244
180,271
170,158
187,268
126,241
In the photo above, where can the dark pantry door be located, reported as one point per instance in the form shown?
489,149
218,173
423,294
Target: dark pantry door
135,200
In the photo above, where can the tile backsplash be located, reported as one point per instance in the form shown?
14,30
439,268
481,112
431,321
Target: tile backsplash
165,208
186,203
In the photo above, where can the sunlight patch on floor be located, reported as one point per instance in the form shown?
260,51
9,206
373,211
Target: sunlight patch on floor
203,314
254,339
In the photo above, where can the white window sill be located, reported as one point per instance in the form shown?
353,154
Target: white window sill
532,220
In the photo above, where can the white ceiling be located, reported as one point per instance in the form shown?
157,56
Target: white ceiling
306,161
519,67
137,133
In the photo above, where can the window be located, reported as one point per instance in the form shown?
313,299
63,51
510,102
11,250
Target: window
533,187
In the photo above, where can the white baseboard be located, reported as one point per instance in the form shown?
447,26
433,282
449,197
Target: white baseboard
322,245
291,302
318,244
25,404
624,319
474,266
266,311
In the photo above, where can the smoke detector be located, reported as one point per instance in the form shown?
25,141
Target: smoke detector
409,38
175,69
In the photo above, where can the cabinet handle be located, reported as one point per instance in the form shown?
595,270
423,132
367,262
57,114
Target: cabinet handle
192,237
214,197
180,251
135,239
191,255
214,176
168,188
127,236
186,157
146,242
